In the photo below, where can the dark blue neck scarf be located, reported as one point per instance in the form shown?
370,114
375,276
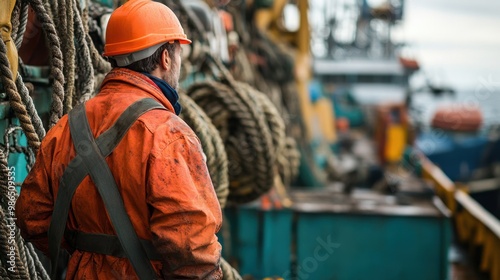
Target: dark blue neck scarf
169,92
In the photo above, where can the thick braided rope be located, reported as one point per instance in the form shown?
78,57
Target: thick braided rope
15,100
30,263
282,96
42,273
30,107
286,147
277,126
21,259
212,144
261,129
100,64
246,136
289,156
27,264
289,161
5,247
66,35
56,60
51,7
272,116
6,219
19,20
22,24
3,273
15,20
84,60
84,12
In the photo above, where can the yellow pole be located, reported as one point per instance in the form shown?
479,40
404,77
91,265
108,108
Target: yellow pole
303,67
6,7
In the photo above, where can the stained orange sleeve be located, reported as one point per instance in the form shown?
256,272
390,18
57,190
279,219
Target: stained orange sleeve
34,206
185,211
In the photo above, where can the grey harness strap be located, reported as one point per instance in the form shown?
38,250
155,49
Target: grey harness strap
90,160
105,244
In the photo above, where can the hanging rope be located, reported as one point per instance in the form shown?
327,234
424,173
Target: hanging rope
100,64
30,107
56,68
96,11
15,100
212,144
19,20
27,264
84,60
67,34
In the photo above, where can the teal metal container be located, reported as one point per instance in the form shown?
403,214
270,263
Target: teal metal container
385,247
334,236
259,241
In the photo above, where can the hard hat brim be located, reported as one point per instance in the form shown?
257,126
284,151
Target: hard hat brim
138,44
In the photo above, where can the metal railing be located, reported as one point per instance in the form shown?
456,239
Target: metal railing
474,225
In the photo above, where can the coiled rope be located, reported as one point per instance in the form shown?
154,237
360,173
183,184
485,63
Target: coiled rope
250,129
249,124
212,145
273,75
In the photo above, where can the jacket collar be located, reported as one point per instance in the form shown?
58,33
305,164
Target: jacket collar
169,92
138,81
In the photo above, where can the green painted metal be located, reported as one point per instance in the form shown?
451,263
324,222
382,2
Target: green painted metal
248,241
311,168
4,110
276,243
260,241
323,245
346,246
108,3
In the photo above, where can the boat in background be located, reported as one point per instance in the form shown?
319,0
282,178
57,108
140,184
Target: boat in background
368,81
467,150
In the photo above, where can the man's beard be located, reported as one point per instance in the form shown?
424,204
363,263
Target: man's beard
172,78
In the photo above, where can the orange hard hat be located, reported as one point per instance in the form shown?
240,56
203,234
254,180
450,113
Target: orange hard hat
137,27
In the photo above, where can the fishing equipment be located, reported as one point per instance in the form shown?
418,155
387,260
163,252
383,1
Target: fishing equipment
212,143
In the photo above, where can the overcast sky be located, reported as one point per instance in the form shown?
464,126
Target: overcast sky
456,41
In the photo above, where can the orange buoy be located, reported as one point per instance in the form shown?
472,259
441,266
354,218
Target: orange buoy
462,118
409,63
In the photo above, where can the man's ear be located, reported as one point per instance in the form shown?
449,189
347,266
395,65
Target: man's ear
166,62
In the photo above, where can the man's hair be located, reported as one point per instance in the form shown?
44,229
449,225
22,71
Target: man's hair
148,64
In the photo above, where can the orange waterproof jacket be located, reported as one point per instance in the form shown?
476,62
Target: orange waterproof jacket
161,173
